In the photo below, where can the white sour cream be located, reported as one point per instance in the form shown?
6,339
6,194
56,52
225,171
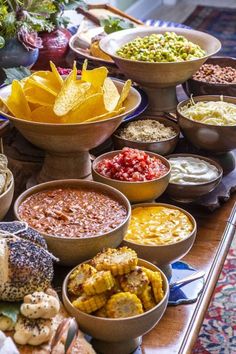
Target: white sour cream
191,170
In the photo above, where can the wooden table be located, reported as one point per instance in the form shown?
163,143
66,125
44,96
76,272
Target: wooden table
179,327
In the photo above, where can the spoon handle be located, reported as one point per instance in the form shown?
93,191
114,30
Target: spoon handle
188,279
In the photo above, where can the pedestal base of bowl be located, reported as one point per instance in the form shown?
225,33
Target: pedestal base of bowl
65,166
125,347
167,270
161,99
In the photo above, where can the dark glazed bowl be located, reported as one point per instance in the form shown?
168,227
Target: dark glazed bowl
199,88
189,192
214,138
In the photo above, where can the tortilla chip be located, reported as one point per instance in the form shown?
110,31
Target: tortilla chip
37,95
56,74
124,93
45,80
111,95
45,114
106,116
96,76
17,103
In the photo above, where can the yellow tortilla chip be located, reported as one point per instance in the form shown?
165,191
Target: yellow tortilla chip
56,74
17,103
106,115
45,114
124,93
111,95
45,80
37,95
96,76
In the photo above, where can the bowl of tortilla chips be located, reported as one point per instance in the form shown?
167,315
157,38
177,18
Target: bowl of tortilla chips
6,186
68,116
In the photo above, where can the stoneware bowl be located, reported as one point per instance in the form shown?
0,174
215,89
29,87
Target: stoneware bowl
72,251
6,199
163,147
118,335
134,191
164,255
198,88
189,192
159,80
213,138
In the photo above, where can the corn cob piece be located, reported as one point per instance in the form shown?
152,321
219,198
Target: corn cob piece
123,305
102,312
119,261
135,281
98,283
147,298
156,283
90,304
78,277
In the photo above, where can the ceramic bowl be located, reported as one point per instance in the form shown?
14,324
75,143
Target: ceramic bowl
198,88
189,192
134,191
163,147
213,138
6,198
72,251
163,255
118,335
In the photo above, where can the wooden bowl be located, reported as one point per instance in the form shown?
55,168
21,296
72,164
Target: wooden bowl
72,251
118,335
6,199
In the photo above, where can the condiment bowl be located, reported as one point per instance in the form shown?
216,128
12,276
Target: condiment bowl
6,198
72,251
189,192
134,191
163,147
164,255
159,80
213,138
118,335
198,88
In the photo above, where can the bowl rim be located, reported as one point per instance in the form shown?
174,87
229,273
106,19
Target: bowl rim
155,30
55,185
90,316
205,98
170,206
9,186
103,156
175,127
30,122
207,159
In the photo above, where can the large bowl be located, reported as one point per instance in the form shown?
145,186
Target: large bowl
67,145
134,191
163,147
72,251
118,335
213,138
159,80
198,88
6,198
189,192
163,255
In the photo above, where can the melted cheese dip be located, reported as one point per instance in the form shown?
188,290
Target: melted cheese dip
158,225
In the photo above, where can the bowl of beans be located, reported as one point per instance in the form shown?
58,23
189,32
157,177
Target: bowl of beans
160,233
139,175
216,77
156,134
77,218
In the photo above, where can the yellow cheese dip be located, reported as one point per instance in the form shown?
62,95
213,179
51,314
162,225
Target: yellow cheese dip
158,225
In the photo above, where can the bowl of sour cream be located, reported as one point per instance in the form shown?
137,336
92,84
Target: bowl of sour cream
192,176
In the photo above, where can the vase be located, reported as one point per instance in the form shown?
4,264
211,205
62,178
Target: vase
55,48
14,54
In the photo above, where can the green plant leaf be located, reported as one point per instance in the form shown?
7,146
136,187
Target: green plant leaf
10,310
18,73
115,24
2,42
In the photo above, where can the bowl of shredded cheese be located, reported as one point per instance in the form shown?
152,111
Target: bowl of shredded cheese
209,122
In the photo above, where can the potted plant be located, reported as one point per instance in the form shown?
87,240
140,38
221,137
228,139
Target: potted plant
20,22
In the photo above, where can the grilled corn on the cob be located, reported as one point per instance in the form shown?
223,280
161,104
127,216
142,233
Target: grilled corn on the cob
90,304
123,305
78,277
135,281
156,283
147,298
98,283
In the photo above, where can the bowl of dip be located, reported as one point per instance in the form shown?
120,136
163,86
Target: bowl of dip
139,175
209,122
192,176
77,218
160,233
156,134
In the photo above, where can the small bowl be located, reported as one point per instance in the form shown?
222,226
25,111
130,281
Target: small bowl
6,198
214,138
189,192
118,335
134,191
72,251
163,147
163,255
198,88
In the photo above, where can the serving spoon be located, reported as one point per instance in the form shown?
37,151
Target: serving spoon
181,282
